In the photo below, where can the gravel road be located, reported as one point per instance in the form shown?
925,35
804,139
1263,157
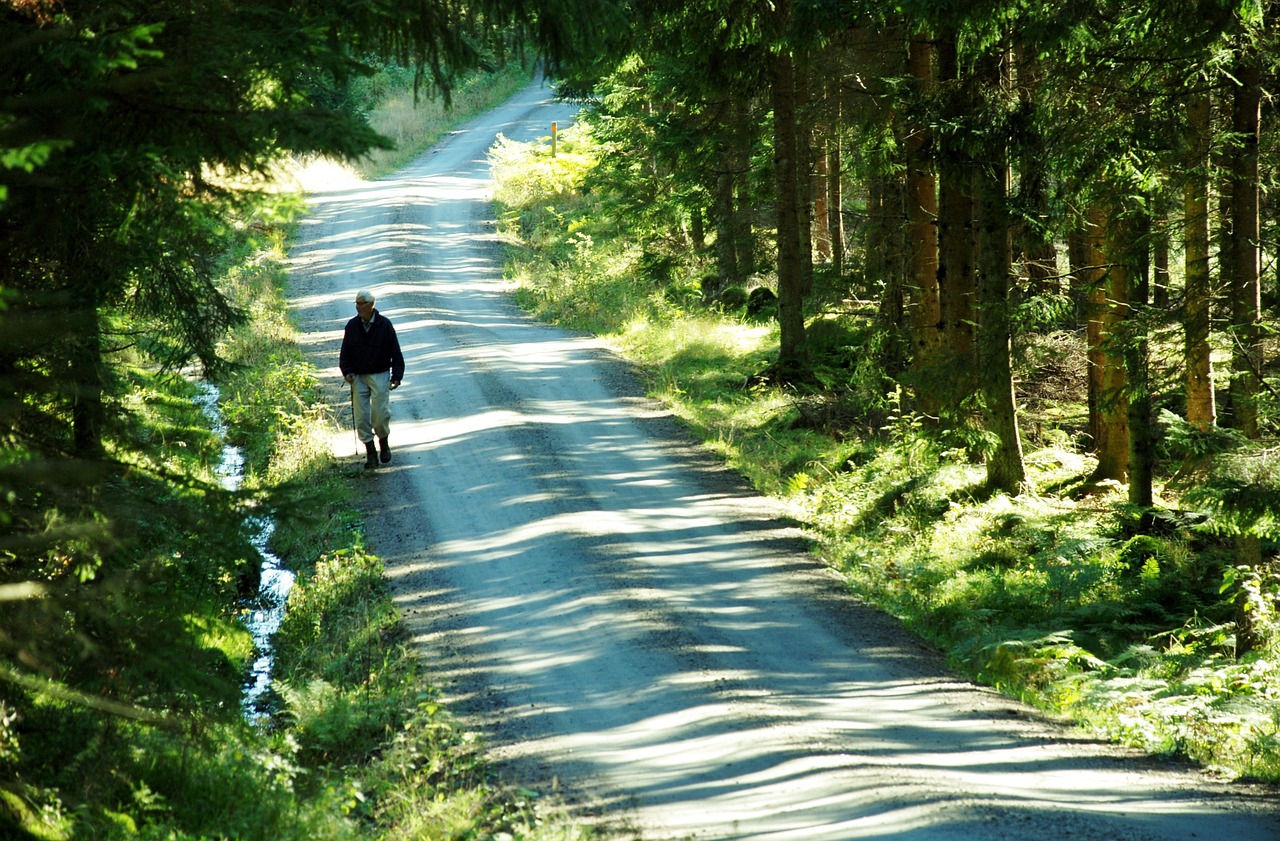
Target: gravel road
624,620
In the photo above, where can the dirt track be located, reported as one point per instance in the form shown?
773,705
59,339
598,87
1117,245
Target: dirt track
624,619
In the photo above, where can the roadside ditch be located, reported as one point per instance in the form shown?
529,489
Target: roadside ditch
263,612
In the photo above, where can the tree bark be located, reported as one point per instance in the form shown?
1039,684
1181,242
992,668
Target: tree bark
1036,248
956,241
1245,287
793,362
1246,301
87,375
1201,410
821,215
884,247
1142,433
922,235
1106,309
1005,468
835,191
726,235
805,185
744,219
731,207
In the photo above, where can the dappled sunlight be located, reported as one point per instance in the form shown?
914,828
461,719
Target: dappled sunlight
616,612
569,565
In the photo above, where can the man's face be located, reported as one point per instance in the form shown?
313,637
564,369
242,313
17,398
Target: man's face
364,308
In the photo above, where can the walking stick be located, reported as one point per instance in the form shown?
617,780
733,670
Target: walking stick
355,437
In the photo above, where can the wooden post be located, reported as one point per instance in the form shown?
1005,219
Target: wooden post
553,139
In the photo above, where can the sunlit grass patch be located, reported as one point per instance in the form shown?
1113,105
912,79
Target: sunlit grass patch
592,288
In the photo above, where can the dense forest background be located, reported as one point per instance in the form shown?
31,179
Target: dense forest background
981,288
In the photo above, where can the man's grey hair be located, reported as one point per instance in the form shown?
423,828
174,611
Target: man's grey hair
365,295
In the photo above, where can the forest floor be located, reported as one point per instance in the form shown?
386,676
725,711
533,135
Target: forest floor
624,620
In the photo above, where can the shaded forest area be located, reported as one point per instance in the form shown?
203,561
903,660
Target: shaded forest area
976,176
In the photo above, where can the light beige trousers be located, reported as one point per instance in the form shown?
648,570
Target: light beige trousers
372,405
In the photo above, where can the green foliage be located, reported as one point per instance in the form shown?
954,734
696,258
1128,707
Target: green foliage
413,124
342,671
528,179
575,271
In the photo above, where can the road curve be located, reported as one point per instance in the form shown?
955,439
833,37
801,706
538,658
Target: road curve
622,618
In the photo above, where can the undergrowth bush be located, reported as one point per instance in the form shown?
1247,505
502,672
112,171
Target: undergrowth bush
1047,598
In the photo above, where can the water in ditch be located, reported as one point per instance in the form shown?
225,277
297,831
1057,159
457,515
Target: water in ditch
262,614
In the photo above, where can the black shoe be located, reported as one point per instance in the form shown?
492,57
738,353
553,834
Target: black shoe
371,456
384,450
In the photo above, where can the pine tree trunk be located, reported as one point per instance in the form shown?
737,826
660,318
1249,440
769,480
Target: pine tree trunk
1246,303
1245,287
835,191
1005,468
805,155
744,220
726,234
1142,432
1035,242
1107,307
792,356
922,236
821,215
86,376
1201,411
956,239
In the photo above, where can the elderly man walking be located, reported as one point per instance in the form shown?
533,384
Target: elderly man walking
371,361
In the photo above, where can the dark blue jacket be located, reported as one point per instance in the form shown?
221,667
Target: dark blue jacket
371,352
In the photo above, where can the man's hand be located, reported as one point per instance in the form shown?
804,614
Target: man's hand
395,384
349,377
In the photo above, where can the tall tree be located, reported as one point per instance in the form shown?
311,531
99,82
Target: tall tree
1033,231
1137,352
134,136
922,230
834,171
793,359
1005,468
1201,407
956,240
955,212
1244,288
1245,294
1106,310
